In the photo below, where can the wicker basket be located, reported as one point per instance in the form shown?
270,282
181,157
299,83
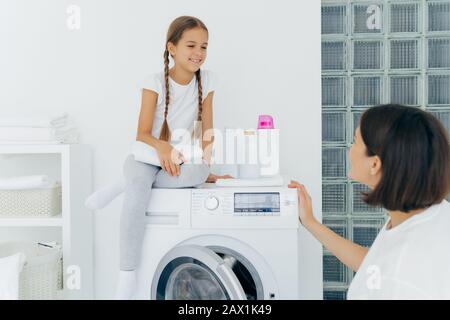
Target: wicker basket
41,275
39,202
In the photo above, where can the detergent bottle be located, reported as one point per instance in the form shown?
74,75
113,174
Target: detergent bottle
268,146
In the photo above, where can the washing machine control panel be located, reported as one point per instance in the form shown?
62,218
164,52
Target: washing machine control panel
248,203
243,202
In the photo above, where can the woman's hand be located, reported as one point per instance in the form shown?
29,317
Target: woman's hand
349,253
212,178
170,158
305,212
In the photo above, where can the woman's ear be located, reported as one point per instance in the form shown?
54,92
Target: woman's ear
375,166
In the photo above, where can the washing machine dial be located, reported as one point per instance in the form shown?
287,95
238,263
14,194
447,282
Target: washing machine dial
211,202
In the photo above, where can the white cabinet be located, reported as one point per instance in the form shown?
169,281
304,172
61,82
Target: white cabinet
71,165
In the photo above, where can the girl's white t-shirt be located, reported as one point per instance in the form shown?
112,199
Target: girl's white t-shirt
183,105
409,261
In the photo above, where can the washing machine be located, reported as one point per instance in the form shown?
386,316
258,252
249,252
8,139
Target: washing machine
223,243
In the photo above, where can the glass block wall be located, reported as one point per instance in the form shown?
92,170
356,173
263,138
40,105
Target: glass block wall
373,52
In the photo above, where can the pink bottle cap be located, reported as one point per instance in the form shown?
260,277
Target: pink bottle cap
265,122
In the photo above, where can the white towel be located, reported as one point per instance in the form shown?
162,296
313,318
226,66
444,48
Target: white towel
27,142
26,182
275,181
144,153
39,122
66,134
10,269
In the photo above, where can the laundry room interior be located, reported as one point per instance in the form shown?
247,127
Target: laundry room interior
294,74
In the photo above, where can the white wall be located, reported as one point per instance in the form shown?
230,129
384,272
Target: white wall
267,54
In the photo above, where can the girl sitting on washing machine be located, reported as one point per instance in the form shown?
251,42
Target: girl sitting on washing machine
402,154
178,99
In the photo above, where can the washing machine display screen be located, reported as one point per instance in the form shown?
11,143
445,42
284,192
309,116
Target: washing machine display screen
257,202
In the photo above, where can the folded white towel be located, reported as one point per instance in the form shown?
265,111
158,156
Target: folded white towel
145,153
275,181
66,134
26,133
10,268
26,182
26,142
40,122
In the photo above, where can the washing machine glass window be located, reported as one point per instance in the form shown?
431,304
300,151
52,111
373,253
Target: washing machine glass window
194,281
195,273
244,271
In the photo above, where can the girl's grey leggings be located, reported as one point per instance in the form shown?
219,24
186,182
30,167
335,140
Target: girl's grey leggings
140,179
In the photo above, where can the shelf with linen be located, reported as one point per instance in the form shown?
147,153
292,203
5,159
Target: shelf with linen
30,190
53,212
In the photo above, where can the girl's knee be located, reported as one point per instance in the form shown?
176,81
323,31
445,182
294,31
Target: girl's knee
201,173
137,172
129,166
205,171
138,182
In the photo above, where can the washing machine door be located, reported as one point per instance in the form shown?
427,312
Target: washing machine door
192,272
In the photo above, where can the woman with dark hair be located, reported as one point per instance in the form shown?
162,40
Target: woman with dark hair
402,154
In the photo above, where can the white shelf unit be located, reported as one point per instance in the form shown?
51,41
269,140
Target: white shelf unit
75,220
56,221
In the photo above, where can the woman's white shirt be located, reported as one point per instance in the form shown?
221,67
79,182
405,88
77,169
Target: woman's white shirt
409,261
183,105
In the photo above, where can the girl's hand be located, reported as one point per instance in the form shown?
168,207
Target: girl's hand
305,212
170,158
212,178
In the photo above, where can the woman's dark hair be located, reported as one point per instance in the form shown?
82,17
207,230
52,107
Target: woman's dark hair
415,157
